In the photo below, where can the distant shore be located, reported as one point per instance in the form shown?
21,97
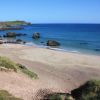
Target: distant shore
12,25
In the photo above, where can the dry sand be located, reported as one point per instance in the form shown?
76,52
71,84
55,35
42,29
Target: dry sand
57,71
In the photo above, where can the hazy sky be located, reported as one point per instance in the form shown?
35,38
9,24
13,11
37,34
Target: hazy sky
51,11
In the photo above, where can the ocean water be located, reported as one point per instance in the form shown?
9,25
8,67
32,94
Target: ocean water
84,38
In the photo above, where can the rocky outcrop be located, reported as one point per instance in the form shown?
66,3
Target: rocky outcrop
20,34
19,41
13,34
10,34
36,35
10,28
1,42
52,43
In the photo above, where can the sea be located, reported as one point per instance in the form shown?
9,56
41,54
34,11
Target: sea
80,38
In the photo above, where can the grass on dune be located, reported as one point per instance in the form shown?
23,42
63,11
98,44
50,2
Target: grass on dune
30,73
10,65
89,91
5,95
7,63
27,71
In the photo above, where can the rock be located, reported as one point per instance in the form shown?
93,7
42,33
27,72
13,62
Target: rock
36,35
13,34
10,28
84,43
19,41
42,42
1,42
97,49
52,43
24,42
10,34
4,36
21,34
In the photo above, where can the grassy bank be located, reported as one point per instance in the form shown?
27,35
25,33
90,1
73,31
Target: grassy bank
5,95
8,65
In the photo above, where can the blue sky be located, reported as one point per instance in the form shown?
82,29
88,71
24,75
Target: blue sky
51,11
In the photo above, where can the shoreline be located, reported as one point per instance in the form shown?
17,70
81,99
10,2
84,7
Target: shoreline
63,50
31,44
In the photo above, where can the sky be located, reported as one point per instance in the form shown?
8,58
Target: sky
51,11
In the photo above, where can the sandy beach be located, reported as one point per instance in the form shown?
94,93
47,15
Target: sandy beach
58,71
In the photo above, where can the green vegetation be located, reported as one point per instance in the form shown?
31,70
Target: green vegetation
4,95
7,64
89,91
30,73
55,97
58,96
13,23
27,71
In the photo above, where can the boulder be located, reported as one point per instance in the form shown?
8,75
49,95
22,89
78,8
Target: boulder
36,35
52,43
1,42
97,49
20,34
10,34
19,41
13,34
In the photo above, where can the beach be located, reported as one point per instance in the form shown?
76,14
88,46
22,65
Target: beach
57,71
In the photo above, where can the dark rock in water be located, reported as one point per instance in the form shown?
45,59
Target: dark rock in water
4,36
42,42
52,43
97,49
11,28
20,34
84,43
13,34
24,42
19,41
36,35
10,34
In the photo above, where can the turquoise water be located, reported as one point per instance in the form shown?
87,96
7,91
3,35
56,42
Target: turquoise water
83,38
